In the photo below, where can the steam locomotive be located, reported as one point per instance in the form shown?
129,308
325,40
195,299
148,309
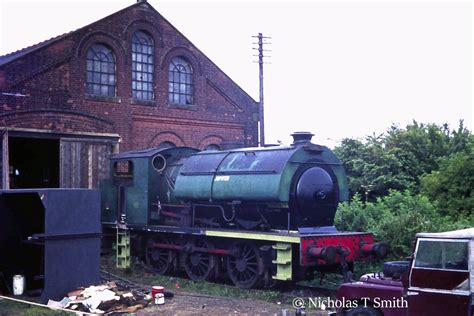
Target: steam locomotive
255,215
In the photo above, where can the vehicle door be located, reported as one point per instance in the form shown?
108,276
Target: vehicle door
440,281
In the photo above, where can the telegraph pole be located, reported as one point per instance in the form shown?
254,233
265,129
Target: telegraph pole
260,76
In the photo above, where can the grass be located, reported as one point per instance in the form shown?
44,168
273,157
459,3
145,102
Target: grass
332,281
8,308
140,275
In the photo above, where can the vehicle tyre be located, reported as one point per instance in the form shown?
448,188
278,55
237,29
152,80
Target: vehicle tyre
363,311
394,269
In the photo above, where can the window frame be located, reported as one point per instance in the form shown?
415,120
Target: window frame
181,82
143,55
117,166
416,262
101,71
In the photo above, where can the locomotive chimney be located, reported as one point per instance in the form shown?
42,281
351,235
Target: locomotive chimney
301,138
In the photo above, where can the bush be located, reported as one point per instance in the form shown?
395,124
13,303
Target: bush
452,185
395,219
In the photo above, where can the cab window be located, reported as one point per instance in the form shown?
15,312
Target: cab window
443,255
123,168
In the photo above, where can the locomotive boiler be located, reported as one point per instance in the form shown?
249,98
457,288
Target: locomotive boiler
255,215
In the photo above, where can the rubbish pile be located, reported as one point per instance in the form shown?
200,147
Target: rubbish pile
102,299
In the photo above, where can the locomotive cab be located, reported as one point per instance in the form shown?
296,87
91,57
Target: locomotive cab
137,181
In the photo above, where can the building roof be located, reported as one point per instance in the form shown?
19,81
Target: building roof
463,233
5,59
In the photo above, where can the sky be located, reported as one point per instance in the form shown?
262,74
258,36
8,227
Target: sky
337,68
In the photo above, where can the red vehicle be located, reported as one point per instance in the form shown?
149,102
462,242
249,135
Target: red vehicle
438,280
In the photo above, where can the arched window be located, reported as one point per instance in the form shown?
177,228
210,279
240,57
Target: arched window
180,83
101,79
142,66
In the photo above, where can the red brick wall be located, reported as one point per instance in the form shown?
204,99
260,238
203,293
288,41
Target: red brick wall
52,77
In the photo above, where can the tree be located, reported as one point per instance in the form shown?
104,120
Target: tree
371,169
397,159
452,185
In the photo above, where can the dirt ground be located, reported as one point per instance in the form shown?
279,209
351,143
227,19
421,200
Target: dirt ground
184,303
197,300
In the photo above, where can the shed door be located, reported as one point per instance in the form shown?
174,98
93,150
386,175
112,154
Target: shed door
84,162
4,168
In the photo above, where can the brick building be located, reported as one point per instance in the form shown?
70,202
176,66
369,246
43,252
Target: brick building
128,81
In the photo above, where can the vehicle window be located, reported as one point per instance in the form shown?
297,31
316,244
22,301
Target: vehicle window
444,255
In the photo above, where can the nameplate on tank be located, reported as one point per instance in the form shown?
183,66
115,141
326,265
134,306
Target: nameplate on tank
222,178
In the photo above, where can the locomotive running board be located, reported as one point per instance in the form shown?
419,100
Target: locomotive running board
267,236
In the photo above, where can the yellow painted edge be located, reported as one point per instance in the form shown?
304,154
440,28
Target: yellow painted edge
280,278
251,235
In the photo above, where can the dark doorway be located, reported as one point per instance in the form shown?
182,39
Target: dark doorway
34,163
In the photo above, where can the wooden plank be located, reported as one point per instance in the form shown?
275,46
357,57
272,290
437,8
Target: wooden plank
101,163
104,164
65,164
72,175
90,165
76,177
2,171
5,166
101,154
85,162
